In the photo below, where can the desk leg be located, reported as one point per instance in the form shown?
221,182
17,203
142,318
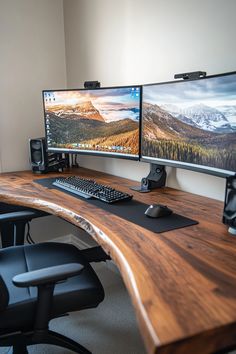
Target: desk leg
19,236
7,234
12,234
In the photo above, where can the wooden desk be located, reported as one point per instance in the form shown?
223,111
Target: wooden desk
182,282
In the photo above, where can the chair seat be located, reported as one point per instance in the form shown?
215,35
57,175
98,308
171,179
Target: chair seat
79,292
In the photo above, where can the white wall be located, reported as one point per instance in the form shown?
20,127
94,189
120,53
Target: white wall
32,59
142,41
32,47
116,42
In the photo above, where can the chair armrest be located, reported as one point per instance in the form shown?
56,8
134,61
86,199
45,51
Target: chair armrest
17,216
48,275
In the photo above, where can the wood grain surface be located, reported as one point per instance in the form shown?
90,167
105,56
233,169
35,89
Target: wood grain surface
182,283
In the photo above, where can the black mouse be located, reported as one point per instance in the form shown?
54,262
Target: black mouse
158,211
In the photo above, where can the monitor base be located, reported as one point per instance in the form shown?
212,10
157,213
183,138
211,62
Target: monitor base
155,179
140,189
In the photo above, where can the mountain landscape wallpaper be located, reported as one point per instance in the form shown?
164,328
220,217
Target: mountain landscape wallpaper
104,120
191,121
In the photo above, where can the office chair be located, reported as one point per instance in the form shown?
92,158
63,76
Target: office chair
38,283
13,220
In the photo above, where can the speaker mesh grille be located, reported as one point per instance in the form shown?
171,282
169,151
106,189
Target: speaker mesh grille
37,152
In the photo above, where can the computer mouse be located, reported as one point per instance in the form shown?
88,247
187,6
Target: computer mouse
158,211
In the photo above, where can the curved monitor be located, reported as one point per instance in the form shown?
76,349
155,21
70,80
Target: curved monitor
103,121
191,124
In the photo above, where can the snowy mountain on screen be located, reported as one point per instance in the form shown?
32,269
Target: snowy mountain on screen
202,116
229,113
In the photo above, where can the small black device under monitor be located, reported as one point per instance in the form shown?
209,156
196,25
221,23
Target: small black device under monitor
133,211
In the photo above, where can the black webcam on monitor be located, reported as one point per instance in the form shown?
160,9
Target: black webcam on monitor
191,76
92,84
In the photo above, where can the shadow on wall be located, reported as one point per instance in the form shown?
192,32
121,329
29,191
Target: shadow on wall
50,227
172,179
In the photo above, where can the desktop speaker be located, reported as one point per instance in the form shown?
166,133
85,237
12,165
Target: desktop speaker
38,155
229,214
42,161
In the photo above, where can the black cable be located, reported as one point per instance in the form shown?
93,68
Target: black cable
76,160
28,236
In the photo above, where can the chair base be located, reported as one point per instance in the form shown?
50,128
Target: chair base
20,341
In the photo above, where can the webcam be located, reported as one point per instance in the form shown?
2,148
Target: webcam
190,76
92,84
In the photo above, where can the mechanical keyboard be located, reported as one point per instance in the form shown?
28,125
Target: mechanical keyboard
88,188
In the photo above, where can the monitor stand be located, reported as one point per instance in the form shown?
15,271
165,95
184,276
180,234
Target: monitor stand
155,179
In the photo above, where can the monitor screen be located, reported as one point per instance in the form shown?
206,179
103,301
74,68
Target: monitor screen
102,121
191,124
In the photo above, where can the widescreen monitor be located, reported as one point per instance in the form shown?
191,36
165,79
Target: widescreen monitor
191,124
102,121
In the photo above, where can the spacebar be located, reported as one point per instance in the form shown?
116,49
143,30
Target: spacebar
71,190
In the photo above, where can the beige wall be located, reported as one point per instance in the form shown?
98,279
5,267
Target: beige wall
32,59
116,42
142,41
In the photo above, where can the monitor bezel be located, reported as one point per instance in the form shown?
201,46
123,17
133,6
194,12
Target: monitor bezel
94,153
180,164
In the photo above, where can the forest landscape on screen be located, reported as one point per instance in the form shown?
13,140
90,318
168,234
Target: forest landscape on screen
104,121
192,122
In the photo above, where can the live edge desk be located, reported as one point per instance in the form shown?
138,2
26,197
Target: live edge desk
182,282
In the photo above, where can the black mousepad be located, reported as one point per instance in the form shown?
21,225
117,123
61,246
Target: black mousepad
131,210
